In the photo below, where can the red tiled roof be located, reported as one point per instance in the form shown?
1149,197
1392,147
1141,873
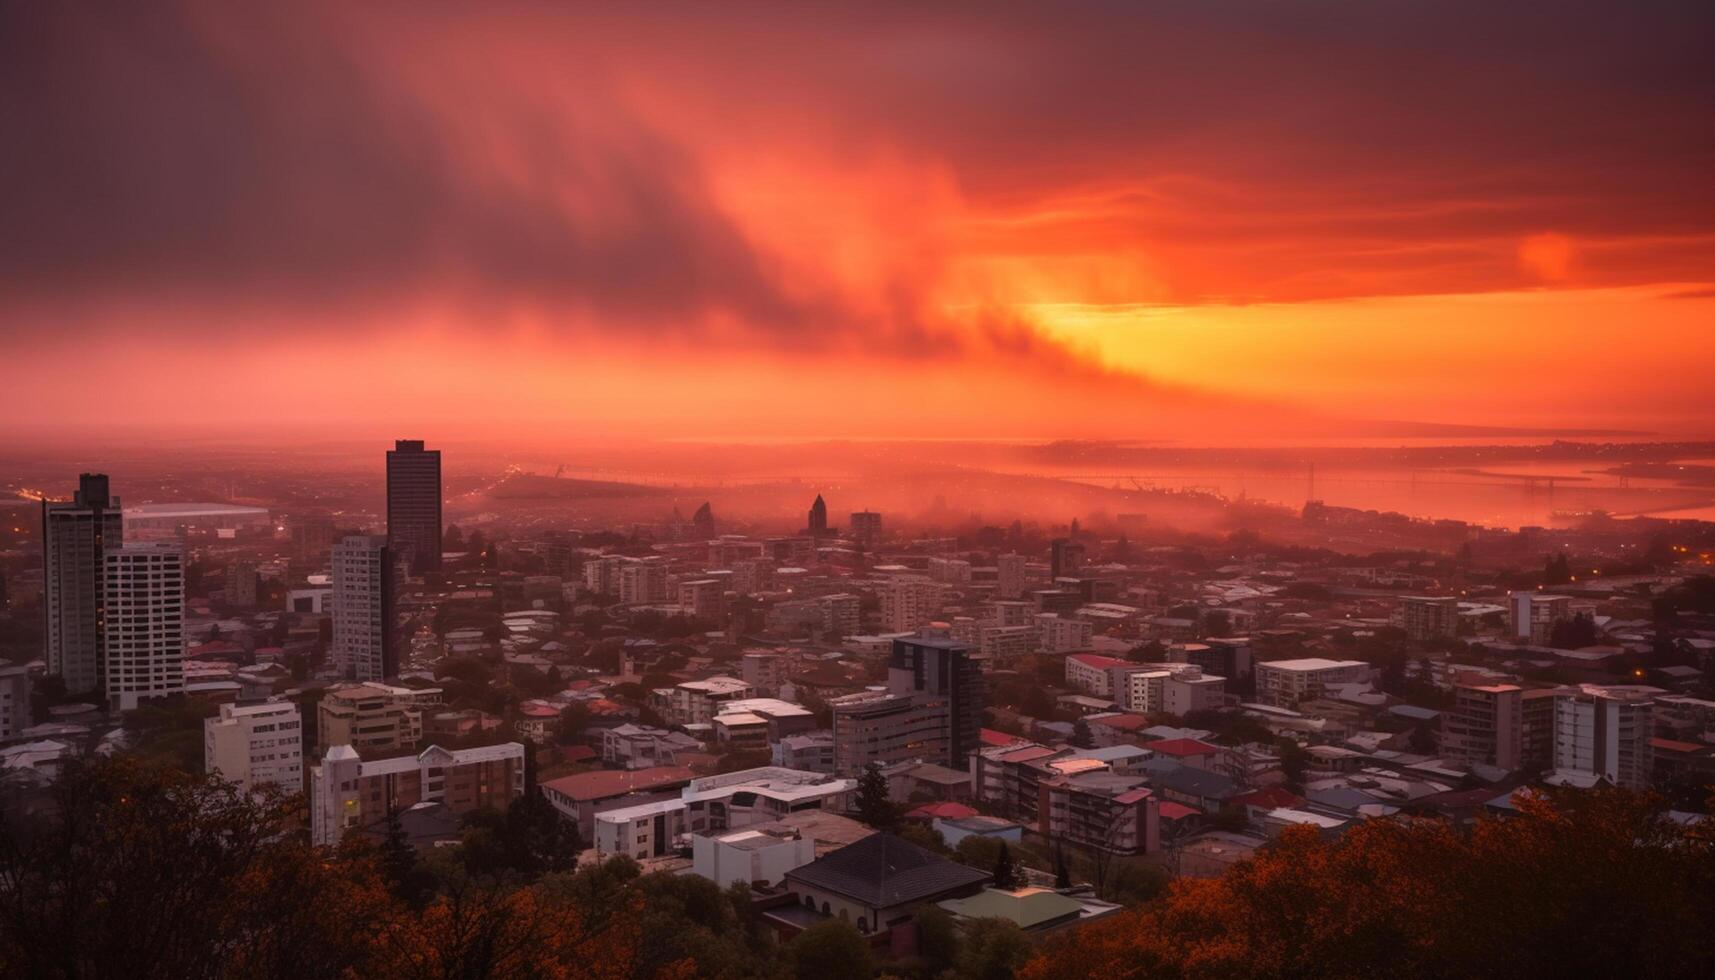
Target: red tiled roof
1182,746
1098,661
1124,723
1272,797
991,737
1674,746
1178,811
613,782
944,811
577,753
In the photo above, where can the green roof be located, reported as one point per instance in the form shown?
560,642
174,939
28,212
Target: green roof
1027,907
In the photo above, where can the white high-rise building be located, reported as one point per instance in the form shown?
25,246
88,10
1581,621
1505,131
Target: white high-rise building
643,580
364,580
256,744
1605,733
143,634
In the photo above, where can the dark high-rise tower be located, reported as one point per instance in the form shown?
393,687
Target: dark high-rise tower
945,669
75,539
819,517
414,504
1065,558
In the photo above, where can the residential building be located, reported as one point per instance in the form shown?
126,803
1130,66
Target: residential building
1064,634
718,804
908,602
765,670
76,536
876,727
1604,733
704,598
373,718
1486,725
633,746
143,629
1101,810
581,796
1429,617
365,643
414,505
762,853
241,584
1010,575
348,792
947,671
1534,615
255,745
697,702
643,580
1284,683
15,687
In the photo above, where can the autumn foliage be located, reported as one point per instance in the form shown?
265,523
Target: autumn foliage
1590,884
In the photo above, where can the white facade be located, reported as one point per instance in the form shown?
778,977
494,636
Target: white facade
362,608
256,744
1604,737
1062,634
908,603
143,635
1283,683
749,855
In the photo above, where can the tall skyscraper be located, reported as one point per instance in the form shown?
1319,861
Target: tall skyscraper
414,504
365,641
143,638
819,517
75,537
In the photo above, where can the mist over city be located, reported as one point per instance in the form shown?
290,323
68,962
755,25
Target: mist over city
951,492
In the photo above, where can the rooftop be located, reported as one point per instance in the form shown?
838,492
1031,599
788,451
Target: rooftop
883,871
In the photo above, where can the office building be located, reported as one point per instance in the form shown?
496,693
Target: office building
365,582
348,793
414,504
143,634
942,669
865,526
1065,558
75,538
818,525
1534,615
1486,725
255,745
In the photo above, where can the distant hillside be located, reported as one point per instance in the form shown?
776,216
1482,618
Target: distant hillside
529,486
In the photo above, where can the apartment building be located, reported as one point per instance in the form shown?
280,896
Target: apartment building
907,603
642,747
697,702
256,744
1063,634
347,792
1604,733
143,623
373,717
1100,810
1284,683
1429,617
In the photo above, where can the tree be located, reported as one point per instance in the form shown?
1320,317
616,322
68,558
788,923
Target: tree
1006,875
1507,897
831,950
1575,633
937,939
398,860
574,720
1557,570
992,949
924,836
1081,737
873,805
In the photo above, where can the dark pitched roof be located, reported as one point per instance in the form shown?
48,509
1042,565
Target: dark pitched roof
882,871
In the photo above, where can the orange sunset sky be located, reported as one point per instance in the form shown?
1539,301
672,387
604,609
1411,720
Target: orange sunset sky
1200,222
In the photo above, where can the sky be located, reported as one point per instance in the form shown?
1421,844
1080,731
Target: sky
1213,222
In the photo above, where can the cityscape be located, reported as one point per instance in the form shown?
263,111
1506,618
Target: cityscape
950,493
